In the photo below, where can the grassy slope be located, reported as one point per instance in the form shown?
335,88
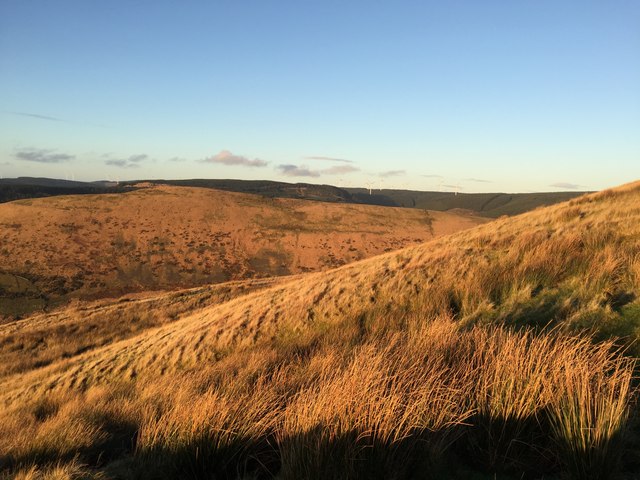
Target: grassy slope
274,365
167,237
83,326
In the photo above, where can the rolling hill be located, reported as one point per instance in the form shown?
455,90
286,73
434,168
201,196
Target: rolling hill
491,205
163,237
493,351
485,204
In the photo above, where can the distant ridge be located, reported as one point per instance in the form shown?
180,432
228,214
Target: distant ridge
37,187
491,205
486,204
47,182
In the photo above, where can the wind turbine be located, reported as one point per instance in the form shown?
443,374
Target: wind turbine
369,185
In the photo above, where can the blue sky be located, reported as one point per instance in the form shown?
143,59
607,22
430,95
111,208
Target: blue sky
484,95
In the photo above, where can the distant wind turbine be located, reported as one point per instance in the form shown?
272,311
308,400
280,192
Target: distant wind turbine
369,185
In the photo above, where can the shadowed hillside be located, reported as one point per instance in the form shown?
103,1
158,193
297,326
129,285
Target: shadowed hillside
491,205
29,187
492,351
486,204
163,237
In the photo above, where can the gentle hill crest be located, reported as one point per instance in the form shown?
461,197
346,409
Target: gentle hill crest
490,205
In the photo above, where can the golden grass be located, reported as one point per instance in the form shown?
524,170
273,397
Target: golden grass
467,349
165,237
46,338
60,471
394,401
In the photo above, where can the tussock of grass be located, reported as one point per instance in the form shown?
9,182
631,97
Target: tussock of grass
67,471
394,405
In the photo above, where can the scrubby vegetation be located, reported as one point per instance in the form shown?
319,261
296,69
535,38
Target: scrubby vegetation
508,350
161,237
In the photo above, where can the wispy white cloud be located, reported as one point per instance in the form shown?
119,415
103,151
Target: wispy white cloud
392,173
340,170
297,171
133,161
42,156
291,170
567,186
477,180
329,159
38,116
225,157
50,118
138,158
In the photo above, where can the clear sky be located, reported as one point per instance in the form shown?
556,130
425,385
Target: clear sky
486,95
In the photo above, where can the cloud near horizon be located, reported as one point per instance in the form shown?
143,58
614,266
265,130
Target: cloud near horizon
225,157
568,186
40,155
132,161
477,180
303,171
392,173
340,170
297,171
330,159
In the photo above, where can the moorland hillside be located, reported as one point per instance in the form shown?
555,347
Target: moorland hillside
161,237
508,349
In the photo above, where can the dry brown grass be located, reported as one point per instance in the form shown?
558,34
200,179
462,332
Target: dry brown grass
46,338
470,348
166,237
391,404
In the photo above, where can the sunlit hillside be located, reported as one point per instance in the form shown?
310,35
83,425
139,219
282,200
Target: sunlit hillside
162,237
508,349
